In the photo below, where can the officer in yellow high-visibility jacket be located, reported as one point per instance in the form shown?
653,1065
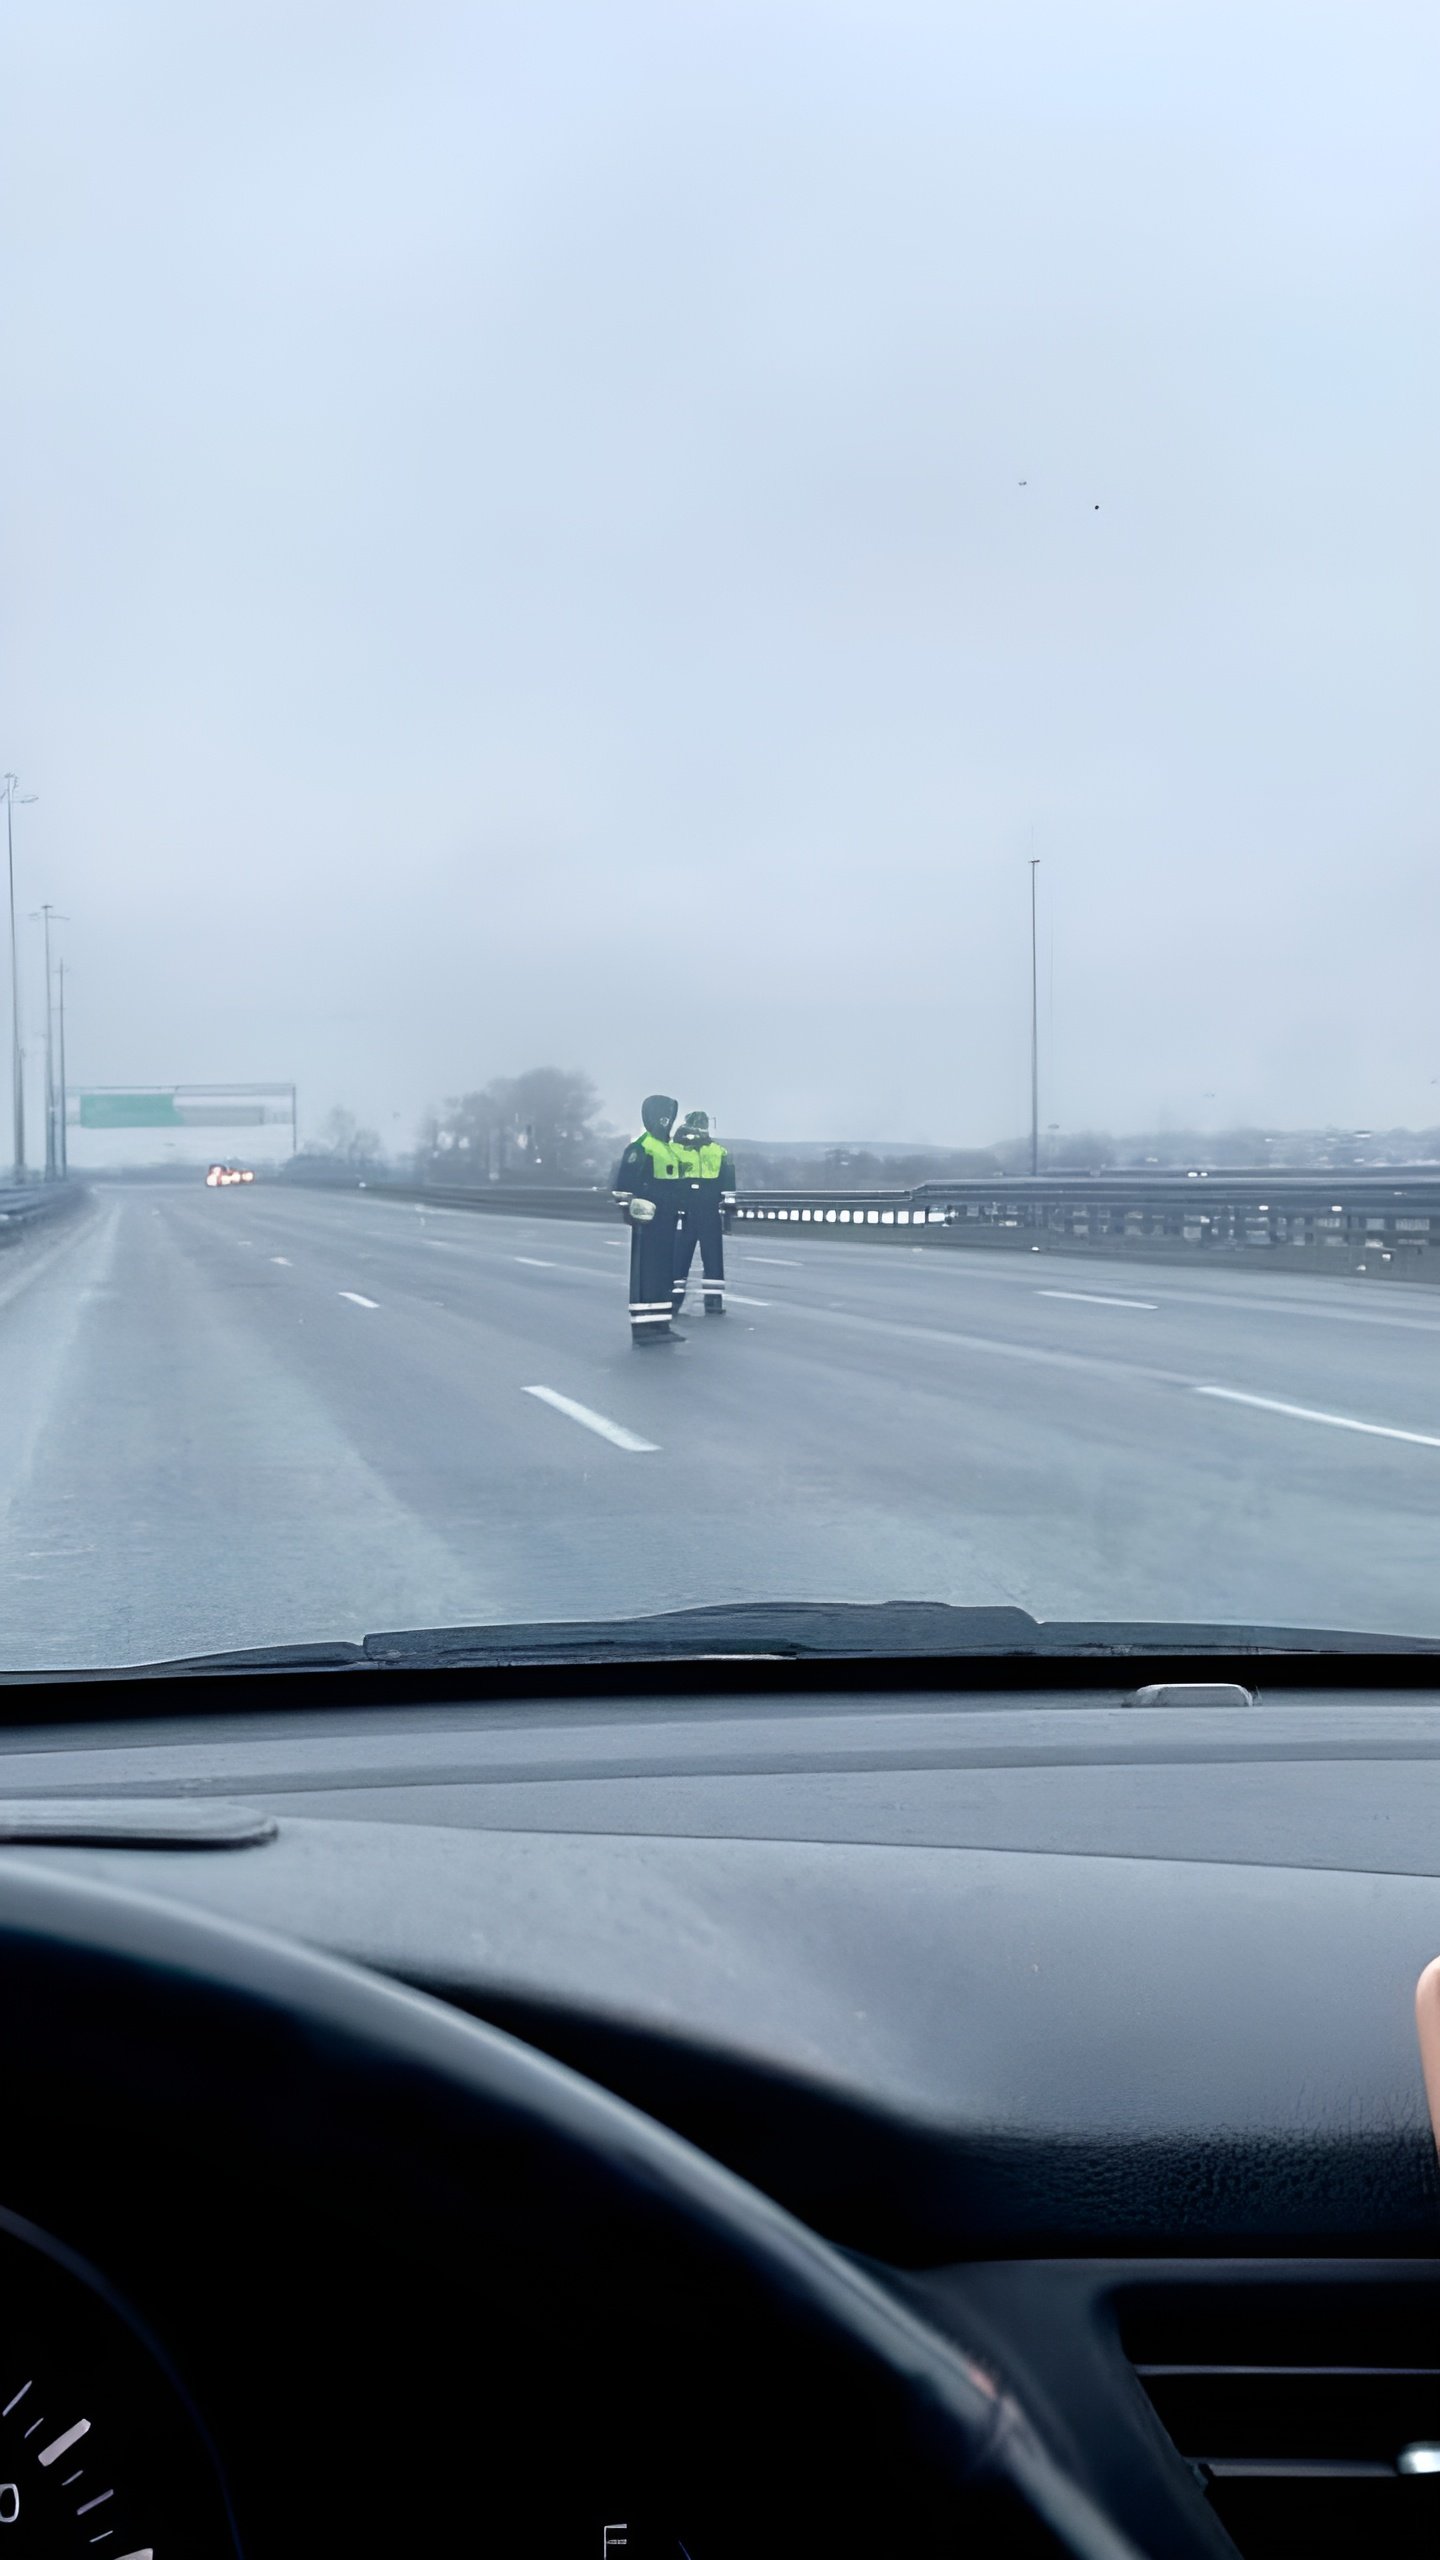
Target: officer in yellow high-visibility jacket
707,1194
646,1185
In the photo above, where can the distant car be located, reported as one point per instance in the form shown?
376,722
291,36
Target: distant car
219,1175
214,1176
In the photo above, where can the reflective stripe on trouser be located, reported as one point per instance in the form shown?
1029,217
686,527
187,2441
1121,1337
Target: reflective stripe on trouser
652,1265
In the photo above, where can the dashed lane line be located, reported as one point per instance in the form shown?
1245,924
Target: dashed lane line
734,1299
1312,1413
570,1270
600,1423
1091,1298
282,1258
356,1300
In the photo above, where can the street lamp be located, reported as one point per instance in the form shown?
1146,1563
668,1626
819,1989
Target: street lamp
52,1147
63,1127
13,792
1034,1027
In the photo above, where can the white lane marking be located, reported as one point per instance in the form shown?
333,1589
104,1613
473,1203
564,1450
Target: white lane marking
62,2444
778,1261
1099,1365
146,2554
734,1299
1228,1292
356,1300
15,2403
612,1431
532,1262
1311,1413
90,2503
1090,1298
282,1258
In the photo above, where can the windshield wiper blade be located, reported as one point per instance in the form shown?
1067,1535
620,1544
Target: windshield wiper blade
851,1630
336,1656
764,1631
769,1630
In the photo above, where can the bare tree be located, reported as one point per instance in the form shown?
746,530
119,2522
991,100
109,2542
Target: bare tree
342,1138
541,1125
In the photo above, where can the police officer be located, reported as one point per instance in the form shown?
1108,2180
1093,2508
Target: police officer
646,1184
707,1191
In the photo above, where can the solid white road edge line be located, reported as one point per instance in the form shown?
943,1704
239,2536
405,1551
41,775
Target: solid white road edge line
612,1431
532,1262
1310,1413
356,1300
1091,1298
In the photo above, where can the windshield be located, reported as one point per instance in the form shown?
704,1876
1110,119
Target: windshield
721,817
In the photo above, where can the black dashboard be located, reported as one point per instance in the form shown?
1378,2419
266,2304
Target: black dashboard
1084,2027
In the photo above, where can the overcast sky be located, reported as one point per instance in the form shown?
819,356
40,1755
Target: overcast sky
609,533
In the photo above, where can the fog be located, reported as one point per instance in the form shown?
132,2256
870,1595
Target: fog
613,533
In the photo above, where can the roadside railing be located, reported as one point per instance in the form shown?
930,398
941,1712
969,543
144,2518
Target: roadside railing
1385,1222
534,1199
26,1206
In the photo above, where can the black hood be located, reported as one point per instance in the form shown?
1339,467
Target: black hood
658,1113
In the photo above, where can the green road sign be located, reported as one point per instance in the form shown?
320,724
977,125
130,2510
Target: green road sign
129,1111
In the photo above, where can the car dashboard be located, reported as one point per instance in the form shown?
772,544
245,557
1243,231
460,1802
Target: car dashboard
1083,2026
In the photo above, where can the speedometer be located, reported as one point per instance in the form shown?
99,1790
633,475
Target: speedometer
101,2455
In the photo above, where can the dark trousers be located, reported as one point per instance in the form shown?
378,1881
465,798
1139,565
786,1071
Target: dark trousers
652,1268
701,1223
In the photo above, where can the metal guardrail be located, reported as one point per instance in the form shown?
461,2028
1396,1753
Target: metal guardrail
534,1199
1383,1221
25,1206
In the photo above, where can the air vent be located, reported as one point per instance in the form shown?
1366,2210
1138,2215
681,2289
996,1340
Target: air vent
1310,2413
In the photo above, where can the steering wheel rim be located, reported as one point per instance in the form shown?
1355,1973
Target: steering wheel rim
121,2012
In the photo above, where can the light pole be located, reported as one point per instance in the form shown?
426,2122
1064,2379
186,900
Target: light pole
1034,1027
13,793
43,914
64,1098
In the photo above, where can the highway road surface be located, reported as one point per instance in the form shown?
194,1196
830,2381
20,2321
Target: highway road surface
252,1417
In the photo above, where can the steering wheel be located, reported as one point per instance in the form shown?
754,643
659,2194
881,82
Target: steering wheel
338,2201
